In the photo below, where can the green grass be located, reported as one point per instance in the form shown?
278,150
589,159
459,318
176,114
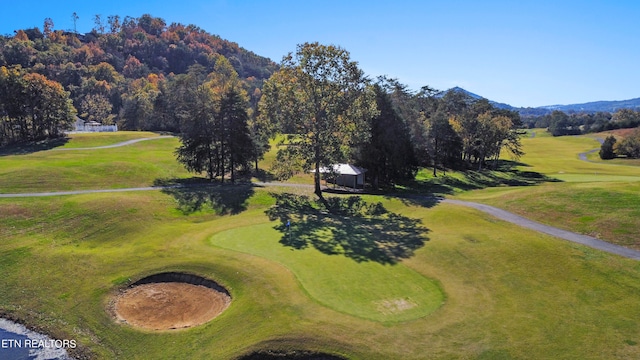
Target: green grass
82,140
594,198
558,157
391,293
508,291
135,165
482,288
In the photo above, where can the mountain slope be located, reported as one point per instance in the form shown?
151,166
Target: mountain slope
589,107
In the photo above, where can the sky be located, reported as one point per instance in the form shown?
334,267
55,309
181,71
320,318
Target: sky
523,53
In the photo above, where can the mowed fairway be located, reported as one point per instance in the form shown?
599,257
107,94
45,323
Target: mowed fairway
135,165
597,198
478,288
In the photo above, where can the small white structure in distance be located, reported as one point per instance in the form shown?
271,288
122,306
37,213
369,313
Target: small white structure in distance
93,126
346,175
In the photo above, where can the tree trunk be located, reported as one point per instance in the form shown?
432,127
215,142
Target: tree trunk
318,190
435,158
233,174
316,181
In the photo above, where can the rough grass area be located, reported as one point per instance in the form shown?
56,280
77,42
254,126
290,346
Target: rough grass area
139,164
86,140
594,198
507,291
461,284
608,211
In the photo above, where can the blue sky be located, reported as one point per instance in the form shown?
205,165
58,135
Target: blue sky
524,53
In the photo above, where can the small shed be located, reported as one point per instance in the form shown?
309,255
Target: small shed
346,175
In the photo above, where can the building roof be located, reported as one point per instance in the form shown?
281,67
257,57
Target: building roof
343,169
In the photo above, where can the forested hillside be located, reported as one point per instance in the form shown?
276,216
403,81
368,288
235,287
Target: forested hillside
143,74
124,71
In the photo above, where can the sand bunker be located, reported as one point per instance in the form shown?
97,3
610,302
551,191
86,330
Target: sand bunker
172,304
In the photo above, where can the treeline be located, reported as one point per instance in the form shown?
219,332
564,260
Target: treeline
384,128
628,147
445,129
560,123
145,75
215,131
31,107
124,70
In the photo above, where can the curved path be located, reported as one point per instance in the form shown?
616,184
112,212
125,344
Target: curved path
549,230
583,156
493,211
124,143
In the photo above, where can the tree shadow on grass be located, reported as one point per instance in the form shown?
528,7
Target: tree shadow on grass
503,173
195,195
347,226
264,176
32,147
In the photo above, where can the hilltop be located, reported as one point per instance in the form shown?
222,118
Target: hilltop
124,67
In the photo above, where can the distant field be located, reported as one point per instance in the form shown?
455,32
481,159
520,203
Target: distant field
558,157
81,140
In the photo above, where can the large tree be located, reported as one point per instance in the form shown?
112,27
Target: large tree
443,144
388,154
630,145
607,149
321,98
198,149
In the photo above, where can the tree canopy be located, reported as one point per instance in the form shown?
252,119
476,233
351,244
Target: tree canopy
322,100
32,107
123,70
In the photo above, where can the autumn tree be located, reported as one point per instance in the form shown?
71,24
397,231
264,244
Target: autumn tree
47,27
630,145
321,97
32,107
98,24
97,107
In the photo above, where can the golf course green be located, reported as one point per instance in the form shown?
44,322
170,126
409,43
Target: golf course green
469,287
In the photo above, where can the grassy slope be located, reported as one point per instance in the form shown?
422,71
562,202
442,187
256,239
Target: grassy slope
596,198
82,140
134,165
510,293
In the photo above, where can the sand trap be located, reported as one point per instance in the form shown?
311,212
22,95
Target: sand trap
169,305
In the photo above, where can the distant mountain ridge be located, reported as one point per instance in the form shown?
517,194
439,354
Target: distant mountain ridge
589,107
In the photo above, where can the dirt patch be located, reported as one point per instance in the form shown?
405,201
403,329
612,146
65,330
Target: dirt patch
170,304
621,132
395,306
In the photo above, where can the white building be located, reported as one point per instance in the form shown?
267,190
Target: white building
346,175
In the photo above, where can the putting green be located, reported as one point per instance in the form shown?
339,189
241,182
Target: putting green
383,293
